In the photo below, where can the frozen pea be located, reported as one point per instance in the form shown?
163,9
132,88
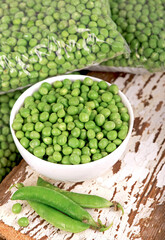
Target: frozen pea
26,38
144,32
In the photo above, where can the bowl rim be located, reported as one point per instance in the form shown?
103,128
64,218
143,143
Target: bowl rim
72,77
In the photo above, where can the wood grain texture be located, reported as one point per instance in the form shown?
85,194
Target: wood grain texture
136,180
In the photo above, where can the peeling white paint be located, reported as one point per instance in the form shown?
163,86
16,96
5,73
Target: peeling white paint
161,178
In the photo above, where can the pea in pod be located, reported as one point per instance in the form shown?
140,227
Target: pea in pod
84,200
58,219
55,200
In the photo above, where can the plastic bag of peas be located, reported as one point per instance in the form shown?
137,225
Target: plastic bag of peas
40,39
142,24
9,156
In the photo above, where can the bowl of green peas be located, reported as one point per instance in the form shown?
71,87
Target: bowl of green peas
72,127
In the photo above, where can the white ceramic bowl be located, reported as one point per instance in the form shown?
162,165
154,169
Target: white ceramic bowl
72,173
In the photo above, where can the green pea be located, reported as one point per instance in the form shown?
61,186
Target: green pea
96,156
74,158
75,132
57,148
93,95
39,126
34,135
56,132
74,101
44,116
109,125
67,150
117,141
107,96
39,151
100,119
49,150
61,140
77,151
104,154
16,208
62,126
122,134
112,135
103,85
17,125
88,81
99,135
47,140
106,112
91,134
73,142
56,107
111,147
93,143
57,156
24,142
103,143
79,124
58,84
97,129
125,117
23,222
53,117
72,110
19,134
114,89
90,125
85,159
34,143
84,117
68,119
114,116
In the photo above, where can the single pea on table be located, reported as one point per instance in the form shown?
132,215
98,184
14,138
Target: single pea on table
77,127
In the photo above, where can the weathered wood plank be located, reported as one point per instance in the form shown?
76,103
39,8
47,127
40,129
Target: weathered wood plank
136,180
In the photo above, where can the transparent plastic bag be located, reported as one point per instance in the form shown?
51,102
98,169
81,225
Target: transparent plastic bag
142,24
40,39
133,70
9,155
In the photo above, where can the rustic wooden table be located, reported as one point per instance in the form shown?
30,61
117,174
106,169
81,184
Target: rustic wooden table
137,180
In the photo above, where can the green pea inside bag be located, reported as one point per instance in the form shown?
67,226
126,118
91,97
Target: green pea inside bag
142,24
40,39
9,155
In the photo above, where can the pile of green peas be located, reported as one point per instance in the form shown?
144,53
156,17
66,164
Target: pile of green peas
39,39
9,155
72,122
142,24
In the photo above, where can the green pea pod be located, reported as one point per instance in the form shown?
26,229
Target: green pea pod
57,218
56,200
84,200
